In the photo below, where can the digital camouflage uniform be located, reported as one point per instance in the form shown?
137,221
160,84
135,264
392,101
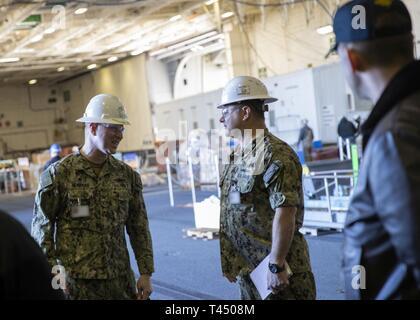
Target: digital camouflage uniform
267,176
93,249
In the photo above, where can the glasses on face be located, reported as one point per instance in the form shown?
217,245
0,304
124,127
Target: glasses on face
114,127
228,111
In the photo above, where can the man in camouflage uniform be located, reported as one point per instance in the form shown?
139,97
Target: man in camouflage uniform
84,204
261,200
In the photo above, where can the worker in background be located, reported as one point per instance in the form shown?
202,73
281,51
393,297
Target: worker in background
24,270
55,151
306,137
382,230
83,206
348,129
261,200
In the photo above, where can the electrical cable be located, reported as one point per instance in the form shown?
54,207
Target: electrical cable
242,27
325,8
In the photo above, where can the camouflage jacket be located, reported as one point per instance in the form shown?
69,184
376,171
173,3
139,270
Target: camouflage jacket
266,175
94,246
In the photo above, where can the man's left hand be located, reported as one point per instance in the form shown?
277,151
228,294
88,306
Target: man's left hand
277,281
144,287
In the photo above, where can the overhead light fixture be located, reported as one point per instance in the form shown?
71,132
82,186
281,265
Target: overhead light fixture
37,38
227,14
60,69
325,30
175,18
81,10
136,52
49,30
112,59
33,81
5,60
92,66
210,2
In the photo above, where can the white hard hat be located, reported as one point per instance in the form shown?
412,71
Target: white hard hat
105,108
244,88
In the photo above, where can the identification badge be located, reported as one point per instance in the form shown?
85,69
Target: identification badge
80,211
235,197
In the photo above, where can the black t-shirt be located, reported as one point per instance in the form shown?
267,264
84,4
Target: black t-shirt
24,270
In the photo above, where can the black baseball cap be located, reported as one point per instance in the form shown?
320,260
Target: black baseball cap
364,20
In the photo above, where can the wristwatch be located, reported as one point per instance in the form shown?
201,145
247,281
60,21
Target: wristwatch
275,268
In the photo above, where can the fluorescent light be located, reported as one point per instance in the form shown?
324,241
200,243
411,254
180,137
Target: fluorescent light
37,38
92,66
136,52
33,81
112,59
50,30
60,69
210,2
175,18
81,11
5,60
227,14
325,30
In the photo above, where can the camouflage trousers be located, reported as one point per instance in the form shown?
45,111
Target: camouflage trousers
302,287
120,288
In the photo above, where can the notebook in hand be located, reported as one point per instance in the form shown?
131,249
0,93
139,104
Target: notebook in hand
259,277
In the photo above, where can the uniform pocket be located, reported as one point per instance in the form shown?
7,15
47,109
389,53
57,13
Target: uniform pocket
246,184
79,200
122,200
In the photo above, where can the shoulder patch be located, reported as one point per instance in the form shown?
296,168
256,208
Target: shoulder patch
46,179
272,171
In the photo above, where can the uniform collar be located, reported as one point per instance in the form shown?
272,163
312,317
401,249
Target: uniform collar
251,144
251,149
109,166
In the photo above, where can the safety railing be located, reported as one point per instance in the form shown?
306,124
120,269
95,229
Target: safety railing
10,180
330,194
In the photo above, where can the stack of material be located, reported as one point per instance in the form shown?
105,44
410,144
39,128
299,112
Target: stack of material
151,179
207,213
35,171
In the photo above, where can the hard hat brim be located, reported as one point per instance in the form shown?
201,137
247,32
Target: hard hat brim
110,121
267,99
